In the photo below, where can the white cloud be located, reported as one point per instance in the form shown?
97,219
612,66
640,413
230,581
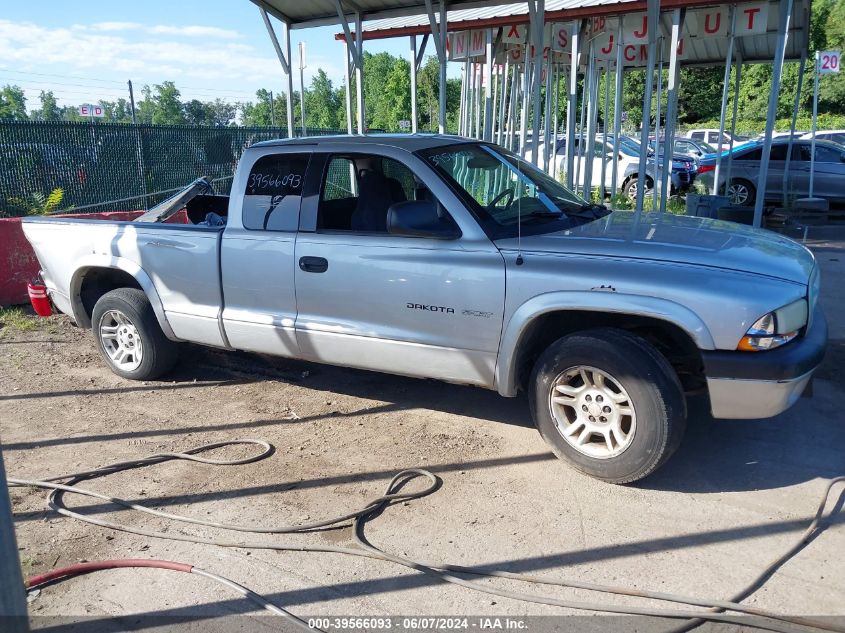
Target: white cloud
194,31
100,52
114,26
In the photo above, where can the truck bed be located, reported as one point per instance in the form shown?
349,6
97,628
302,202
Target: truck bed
178,263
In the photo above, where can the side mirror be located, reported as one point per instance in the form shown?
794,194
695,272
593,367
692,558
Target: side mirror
421,218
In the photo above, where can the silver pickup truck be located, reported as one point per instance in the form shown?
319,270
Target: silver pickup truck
440,257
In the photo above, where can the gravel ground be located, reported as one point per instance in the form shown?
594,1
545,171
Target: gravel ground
734,495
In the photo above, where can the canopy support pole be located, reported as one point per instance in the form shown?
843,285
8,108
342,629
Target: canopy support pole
777,70
735,107
348,77
678,16
588,143
537,14
413,84
438,31
284,59
572,105
617,110
605,117
801,65
653,19
725,89
503,95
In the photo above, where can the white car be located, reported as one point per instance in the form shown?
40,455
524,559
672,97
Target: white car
837,136
711,136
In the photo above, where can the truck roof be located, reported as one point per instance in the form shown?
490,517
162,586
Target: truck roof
409,142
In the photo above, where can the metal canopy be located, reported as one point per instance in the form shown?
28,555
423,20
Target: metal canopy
701,51
300,14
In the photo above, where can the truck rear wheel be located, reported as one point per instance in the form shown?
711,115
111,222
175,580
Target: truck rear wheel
129,337
608,403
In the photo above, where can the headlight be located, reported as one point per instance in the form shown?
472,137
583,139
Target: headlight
775,328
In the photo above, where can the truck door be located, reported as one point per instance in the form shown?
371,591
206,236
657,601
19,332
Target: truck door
257,252
407,305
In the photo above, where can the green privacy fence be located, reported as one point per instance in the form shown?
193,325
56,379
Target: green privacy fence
109,166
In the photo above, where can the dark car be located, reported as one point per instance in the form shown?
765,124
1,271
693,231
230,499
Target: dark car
745,171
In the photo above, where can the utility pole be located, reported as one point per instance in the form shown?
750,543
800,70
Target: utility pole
132,101
272,111
302,85
12,596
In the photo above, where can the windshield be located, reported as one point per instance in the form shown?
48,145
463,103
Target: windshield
708,148
503,191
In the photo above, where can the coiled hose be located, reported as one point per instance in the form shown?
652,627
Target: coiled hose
715,609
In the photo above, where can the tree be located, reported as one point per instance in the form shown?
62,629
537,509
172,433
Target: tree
322,104
167,108
50,110
12,104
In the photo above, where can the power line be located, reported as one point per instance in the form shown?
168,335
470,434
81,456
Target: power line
205,89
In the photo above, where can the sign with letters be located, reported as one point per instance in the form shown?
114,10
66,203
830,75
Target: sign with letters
89,110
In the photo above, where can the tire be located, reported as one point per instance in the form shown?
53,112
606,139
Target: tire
630,186
620,447
741,192
123,321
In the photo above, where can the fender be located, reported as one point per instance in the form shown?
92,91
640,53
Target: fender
611,302
127,266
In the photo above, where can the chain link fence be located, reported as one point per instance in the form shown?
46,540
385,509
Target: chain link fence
109,166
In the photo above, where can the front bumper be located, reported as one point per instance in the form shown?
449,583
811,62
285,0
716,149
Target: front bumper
753,385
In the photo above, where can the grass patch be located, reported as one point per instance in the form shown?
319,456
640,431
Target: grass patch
17,320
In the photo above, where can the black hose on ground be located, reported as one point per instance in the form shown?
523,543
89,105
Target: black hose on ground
715,609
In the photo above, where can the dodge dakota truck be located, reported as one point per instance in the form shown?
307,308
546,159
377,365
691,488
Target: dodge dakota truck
441,257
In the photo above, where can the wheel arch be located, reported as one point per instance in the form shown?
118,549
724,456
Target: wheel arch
677,331
95,277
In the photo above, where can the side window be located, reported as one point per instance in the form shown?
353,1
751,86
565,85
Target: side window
778,152
359,189
274,191
754,154
341,181
698,136
825,154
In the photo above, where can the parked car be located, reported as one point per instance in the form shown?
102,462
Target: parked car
442,257
683,168
711,137
690,147
745,171
683,174
837,136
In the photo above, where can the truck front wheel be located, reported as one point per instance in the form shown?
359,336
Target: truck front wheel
608,403
129,337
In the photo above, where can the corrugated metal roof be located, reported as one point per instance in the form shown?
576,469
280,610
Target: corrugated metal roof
702,51
308,13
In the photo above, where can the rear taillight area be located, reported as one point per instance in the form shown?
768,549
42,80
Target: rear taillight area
39,299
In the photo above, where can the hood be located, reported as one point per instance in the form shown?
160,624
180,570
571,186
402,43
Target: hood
681,239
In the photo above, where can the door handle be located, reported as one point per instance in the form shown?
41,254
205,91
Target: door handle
313,264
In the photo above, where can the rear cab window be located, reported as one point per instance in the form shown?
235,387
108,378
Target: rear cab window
273,192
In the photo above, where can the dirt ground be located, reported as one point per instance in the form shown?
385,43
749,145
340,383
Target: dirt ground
736,494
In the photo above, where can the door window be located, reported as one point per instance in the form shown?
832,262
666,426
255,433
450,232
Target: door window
824,154
699,136
273,192
359,189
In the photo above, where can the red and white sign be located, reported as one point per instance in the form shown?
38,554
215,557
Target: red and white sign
752,19
86,109
477,43
829,62
457,45
515,34
710,22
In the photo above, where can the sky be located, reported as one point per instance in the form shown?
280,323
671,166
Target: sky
86,51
